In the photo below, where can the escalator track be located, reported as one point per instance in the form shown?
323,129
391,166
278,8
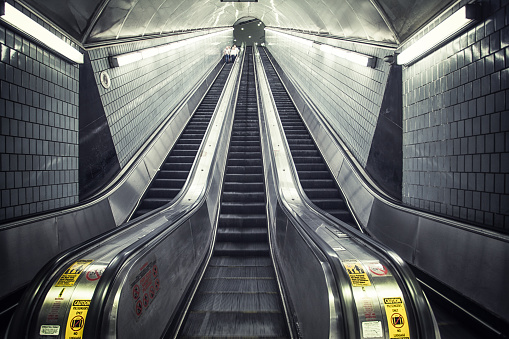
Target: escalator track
314,175
239,295
173,173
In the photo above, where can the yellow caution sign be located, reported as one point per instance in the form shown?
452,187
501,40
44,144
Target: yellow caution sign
72,273
357,273
76,319
396,318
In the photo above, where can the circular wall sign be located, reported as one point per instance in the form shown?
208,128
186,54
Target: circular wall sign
105,79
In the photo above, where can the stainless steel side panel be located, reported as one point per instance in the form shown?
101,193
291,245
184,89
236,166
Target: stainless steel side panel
304,278
126,197
360,201
72,229
177,257
17,244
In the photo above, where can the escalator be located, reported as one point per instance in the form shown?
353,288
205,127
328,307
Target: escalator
174,171
314,175
239,295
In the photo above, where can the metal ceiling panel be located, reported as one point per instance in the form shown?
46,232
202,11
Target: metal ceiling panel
70,15
371,20
407,16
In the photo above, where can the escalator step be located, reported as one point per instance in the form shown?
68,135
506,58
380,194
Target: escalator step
242,249
239,234
239,220
252,272
234,324
244,170
243,178
317,183
153,203
156,192
329,204
235,261
236,302
238,284
313,174
244,197
169,183
172,174
243,207
244,186
177,167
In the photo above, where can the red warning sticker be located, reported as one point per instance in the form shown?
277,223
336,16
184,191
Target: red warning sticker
145,286
94,275
377,268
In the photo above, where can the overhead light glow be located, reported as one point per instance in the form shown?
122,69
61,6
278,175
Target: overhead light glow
361,59
128,58
31,28
442,32
303,41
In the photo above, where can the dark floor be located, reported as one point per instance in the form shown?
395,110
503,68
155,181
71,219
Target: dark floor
453,328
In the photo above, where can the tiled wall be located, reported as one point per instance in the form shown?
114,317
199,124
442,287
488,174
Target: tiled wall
39,127
348,94
456,124
143,93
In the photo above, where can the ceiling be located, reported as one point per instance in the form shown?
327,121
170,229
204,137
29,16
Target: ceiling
96,21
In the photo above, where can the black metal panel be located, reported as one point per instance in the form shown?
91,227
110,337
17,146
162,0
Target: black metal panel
385,160
98,161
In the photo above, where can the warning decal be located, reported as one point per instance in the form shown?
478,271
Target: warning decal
396,318
357,273
76,319
72,273
372,329
145,287
49,330
377,269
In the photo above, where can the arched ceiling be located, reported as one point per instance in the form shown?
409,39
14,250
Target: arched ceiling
92,21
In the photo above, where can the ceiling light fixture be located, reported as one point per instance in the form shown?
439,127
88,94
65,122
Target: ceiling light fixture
29,27
441,33
128,58
361,59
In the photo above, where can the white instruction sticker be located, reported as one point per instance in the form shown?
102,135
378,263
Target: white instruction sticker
50,330
372,329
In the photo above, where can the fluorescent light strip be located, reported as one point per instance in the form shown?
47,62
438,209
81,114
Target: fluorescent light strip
125,59
303,41
31,28
361,59
357,58
446,29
